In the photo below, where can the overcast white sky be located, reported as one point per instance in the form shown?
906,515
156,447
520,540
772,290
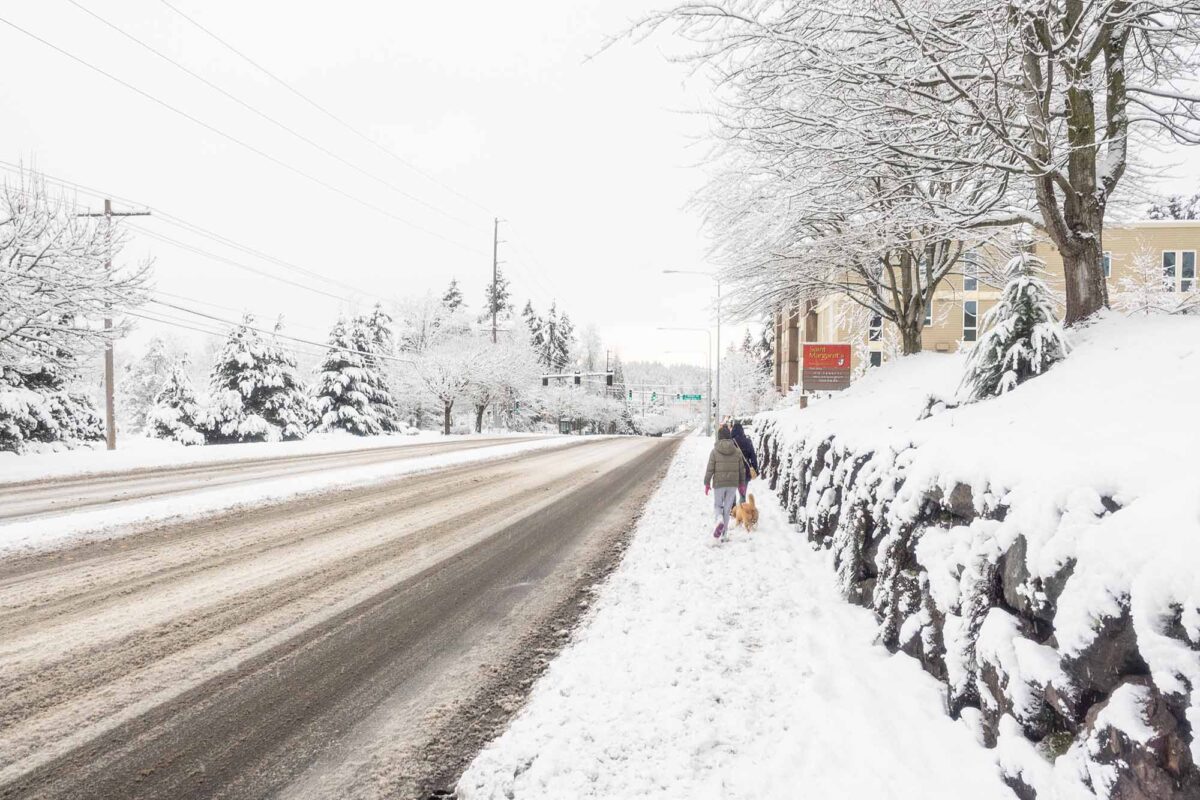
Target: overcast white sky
590,163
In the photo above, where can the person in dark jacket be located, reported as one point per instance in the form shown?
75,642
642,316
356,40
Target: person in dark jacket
726,475
747,447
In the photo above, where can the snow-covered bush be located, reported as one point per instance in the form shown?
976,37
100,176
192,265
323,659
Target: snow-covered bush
257,395
1022,337
176,414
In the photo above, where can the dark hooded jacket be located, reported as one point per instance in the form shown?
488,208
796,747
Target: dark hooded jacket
745,445
727,467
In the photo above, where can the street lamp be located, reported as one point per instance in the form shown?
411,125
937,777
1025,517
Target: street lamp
716,278
708,418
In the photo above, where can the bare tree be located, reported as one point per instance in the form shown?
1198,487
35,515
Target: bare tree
55,283
1037,99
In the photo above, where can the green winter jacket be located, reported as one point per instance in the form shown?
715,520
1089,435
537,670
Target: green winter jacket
726,467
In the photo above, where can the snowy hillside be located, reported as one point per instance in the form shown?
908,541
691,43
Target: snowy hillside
1039,552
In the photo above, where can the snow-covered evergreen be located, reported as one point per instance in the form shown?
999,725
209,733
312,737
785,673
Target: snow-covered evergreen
176,415
1022,337
256,392
497,297
351,392
40,409
378,339
453,298
141,382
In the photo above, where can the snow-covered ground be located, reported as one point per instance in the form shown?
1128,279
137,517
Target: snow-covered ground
141,452
727,671
113,521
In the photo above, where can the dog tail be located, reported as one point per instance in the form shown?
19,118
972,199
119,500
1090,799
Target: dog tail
750,499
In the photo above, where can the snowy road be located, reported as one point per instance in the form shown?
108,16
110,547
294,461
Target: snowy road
54,496
359,643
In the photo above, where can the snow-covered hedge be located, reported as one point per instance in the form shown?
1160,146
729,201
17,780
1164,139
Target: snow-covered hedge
1038,552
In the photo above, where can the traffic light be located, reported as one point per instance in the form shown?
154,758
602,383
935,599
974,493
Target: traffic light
654,397
608,379
631,394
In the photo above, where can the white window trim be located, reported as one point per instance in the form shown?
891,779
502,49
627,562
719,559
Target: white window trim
974,328
1177,278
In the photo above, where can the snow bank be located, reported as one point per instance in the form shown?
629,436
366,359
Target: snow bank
111,522
729,671
1037,551
140,452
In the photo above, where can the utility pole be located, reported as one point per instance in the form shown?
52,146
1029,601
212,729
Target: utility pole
495,270
110,418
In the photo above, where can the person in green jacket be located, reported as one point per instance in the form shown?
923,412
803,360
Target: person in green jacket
726,476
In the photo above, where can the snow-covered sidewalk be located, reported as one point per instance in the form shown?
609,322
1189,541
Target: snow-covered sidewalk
725,671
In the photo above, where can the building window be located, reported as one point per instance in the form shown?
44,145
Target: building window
876,329
1108,263
970,320
876,358
929,312
970,273
1179,270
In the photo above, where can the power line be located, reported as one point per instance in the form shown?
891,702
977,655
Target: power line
177,221
263,115
326,111
210,304
202,252
230,137
324,346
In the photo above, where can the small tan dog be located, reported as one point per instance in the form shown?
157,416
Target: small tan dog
746,514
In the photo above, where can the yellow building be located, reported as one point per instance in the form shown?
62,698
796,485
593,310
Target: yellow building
1133,252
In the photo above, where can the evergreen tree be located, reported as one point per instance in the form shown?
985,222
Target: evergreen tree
535,325
452,300
345,391
1022,339
497,298
766,348
257,395
38,405
380,342
176,414
1177,206
142,381
564,345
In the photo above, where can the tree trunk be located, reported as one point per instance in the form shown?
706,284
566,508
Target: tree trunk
446,409
910,339
1083,271
479,418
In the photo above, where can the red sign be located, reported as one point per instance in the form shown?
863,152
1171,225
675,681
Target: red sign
826,367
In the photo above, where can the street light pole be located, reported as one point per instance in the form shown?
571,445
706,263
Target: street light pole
708,418
717,399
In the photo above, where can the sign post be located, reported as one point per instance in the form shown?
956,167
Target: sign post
826,367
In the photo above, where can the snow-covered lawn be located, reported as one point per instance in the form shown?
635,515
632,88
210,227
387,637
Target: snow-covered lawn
727,671
113,521
141,452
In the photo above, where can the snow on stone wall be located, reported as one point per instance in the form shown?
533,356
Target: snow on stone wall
1039,553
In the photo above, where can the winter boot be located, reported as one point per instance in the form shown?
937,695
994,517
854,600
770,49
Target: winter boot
719,531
